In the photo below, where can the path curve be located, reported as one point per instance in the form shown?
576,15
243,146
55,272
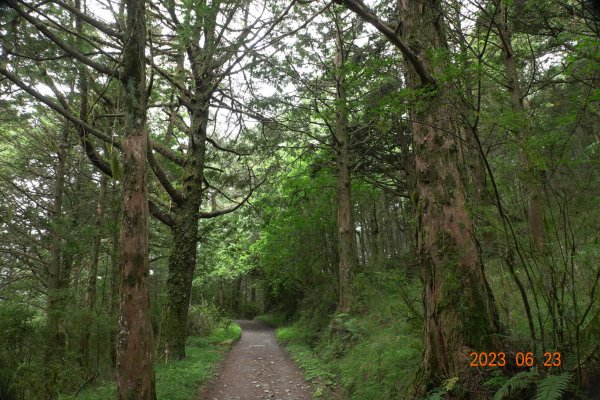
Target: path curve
257,368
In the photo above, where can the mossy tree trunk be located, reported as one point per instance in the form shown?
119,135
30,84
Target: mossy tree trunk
182,260
135,340
115,266
460,313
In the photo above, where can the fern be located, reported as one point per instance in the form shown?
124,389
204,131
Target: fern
515,383
436,395
496,380
447,386
553,387
570,362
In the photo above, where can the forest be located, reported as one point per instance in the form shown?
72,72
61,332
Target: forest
403,193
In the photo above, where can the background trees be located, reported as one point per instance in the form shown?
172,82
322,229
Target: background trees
445,135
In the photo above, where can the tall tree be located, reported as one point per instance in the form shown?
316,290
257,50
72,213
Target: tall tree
58,274
345,224
212,57
212,50
90,290
460,312
135,343
531,181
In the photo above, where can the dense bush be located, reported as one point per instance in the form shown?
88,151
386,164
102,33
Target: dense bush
203,318
20,351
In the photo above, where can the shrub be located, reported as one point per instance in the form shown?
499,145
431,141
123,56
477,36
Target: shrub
203,318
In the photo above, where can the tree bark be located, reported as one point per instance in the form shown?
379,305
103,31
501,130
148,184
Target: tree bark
57,281
346,234
182,261
460,313
135,341
115,267
90,295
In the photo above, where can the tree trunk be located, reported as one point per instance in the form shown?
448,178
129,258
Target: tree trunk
182,261
115,262
374,231
90,293
57,281
460,314
459,307
346,235
534,210
135,342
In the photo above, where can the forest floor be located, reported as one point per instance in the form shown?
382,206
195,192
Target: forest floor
257,368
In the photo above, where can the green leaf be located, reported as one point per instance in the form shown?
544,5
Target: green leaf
115,166
515,384
553,387
318,393
10,213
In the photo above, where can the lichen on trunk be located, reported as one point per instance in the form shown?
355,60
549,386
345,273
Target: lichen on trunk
182,260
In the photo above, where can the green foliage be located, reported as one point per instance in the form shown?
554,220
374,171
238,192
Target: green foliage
516,383
294,334
284,244
315,370
372,354
447,387
21,336
552,387
203,319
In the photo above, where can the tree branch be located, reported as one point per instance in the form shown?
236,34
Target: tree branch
160,148
363,11
217,213
89,20
68,49
162,177
162,216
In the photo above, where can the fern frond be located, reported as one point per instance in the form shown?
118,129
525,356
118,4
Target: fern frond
437,395
515,383
570,361
553,387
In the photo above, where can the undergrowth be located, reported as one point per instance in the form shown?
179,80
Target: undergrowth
369,354
274,320
180,380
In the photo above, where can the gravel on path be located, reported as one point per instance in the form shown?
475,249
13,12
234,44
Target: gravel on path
257,368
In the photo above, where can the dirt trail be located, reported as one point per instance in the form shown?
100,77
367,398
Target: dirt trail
257,368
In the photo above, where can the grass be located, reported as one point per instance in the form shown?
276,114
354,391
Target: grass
315,370
180,380
371,354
